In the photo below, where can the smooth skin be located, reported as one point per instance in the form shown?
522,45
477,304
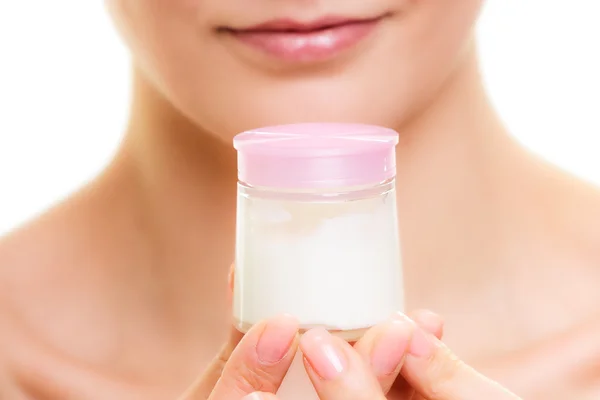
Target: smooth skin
254,367
120,290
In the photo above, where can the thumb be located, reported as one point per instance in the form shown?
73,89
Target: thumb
258,362
437,374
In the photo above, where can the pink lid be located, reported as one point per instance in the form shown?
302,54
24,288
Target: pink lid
305,156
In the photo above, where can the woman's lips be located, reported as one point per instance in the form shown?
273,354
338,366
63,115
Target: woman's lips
296,42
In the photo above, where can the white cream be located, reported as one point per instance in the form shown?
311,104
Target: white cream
329,263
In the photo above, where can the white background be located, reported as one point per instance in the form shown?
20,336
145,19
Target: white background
64,90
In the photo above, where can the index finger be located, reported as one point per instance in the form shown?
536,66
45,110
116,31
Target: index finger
260,361
381,342
437,374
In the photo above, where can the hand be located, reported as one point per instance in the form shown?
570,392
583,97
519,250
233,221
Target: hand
255,365
259,360
562,367
339,371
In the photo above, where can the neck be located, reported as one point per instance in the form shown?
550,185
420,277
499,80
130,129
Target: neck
449,176
184,197
453,180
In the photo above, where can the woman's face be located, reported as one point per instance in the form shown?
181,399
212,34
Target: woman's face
232,65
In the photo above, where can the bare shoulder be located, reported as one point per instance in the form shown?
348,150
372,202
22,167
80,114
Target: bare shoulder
27,278
65,244
46,263
570,265
40,262
61,310
51,264
569,210
30,254
579,213
51,279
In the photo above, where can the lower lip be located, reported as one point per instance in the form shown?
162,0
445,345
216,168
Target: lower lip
310,46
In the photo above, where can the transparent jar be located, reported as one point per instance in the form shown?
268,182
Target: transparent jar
317,229
328,257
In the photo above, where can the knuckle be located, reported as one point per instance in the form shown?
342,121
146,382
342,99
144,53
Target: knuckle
224,354
218,364
220,361
215,370
444,370
253,378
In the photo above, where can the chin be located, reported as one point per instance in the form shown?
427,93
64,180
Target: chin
248,119
277,106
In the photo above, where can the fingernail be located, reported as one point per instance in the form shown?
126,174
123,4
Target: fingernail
253,396
276,339
430,317
390,348
230,277
398,316
430,321
421,345
323,353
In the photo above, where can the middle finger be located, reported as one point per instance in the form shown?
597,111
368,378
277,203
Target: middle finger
384,344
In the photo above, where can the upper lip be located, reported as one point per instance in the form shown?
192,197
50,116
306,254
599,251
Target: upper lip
291,25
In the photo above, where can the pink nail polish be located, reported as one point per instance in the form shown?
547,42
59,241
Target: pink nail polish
421,345
390,348
253,396
276,339
323,353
